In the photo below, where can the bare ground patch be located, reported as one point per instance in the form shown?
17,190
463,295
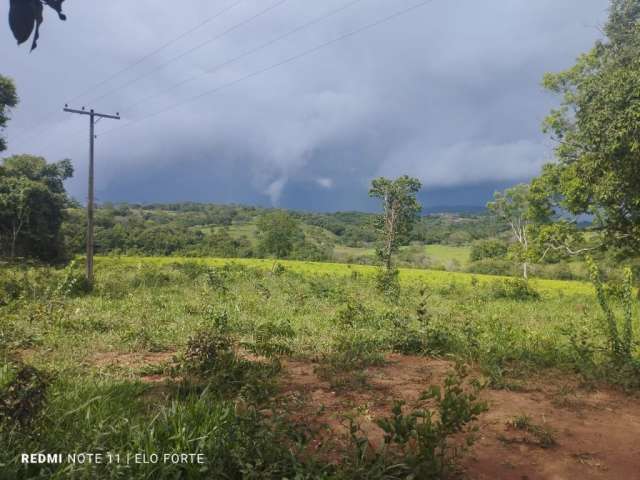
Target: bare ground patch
596,432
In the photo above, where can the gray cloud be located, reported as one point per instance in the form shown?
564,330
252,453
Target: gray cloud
449,93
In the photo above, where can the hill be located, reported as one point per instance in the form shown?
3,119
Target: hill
192,229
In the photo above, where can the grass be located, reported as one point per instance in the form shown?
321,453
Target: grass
94,350
435,278
447,253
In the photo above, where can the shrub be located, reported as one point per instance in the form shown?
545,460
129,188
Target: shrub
484,249
210,360
22,394
408,341
513,289
73,282
425,437
353,314
218,279
11,287
388,282
422,310
345,365
271,339
620,344
208,350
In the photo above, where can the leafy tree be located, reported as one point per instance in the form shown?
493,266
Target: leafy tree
278,231
27,15
513,207
597,127
401,210
487,249
32,200
8,99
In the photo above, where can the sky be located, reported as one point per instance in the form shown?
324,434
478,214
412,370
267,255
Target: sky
296,103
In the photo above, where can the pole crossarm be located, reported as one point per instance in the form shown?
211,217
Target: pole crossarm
91,112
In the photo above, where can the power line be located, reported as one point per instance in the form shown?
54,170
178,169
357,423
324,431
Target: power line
157,50
191,50
134,64
246,53
276,65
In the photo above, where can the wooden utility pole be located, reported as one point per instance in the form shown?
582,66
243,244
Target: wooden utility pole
90,201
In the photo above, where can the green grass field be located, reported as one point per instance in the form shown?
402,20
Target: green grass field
187,355
445,253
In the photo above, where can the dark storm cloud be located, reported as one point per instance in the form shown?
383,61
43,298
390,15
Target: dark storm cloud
449,93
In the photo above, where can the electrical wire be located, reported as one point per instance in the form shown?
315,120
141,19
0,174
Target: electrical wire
275,65
245,54
31,131
189,51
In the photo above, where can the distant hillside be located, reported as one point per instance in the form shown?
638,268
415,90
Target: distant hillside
231,231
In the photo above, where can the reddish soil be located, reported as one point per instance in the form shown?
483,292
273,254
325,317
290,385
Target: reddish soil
597,432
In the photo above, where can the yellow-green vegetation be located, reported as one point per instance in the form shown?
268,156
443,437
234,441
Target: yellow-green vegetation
153,360
436,278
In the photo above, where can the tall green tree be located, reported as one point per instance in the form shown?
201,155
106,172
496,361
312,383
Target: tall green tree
32,202
513,207
8,100
597,127
278,233
401,210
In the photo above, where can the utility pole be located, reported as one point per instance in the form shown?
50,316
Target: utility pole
90,201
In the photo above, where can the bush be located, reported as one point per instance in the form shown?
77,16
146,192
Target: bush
353,314
513,289
351,355
11,287
22,394
408,341
492,266
425,438
74,282
484,249
388,282
620,345
271,339
208,350
210,360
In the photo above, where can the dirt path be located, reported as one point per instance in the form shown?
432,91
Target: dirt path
597,433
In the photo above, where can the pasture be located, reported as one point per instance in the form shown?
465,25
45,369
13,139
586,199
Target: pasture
292,370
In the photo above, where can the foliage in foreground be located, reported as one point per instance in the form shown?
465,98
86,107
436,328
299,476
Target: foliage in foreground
208,397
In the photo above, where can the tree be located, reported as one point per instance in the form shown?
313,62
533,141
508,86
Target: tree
278,232
513,207
490,248
32,200
400,208
597,127
27,15
8,100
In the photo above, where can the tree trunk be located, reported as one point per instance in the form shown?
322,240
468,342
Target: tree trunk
525,272
14,238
